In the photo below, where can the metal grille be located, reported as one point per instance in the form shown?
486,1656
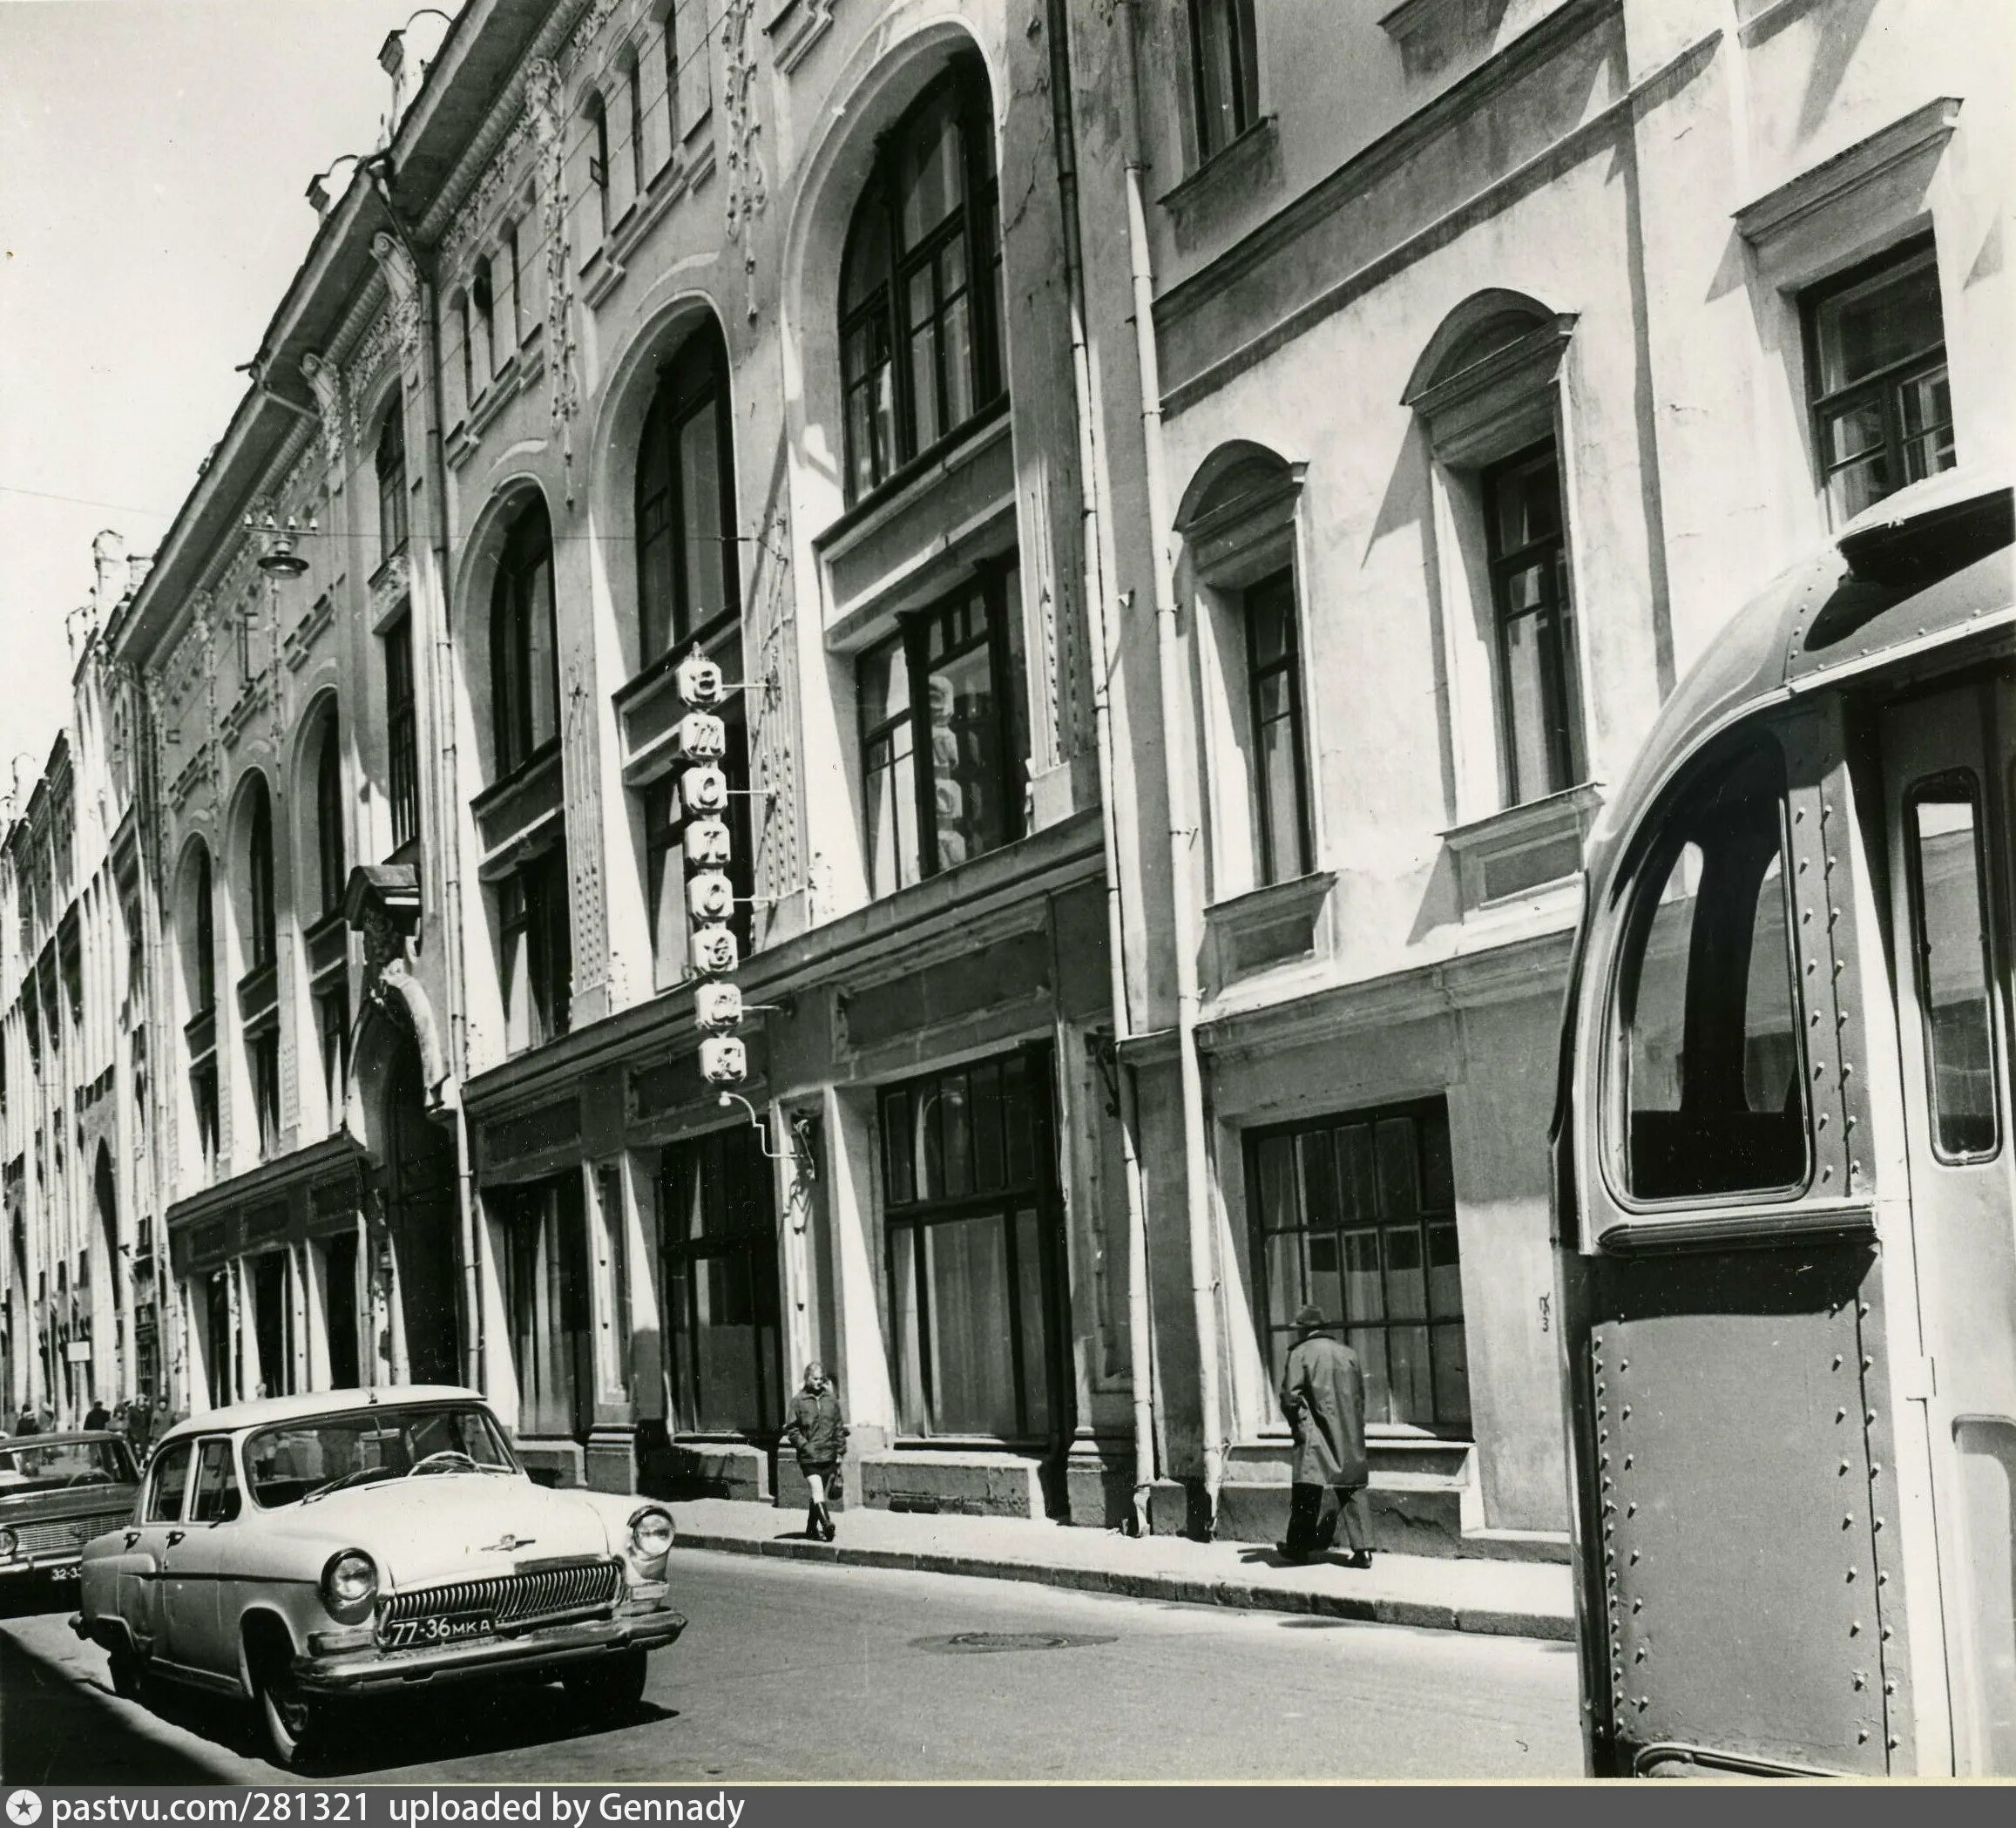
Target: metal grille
38,1539
511,1599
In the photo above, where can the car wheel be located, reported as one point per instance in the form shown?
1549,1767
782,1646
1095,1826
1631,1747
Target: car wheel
608,1689
128,1667
291,1720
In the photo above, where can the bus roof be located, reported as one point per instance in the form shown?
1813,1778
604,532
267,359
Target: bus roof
1926,568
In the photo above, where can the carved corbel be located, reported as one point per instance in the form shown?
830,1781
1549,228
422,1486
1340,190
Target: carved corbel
326,379
403,284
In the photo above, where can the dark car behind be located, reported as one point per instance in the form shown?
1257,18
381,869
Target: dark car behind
56,1492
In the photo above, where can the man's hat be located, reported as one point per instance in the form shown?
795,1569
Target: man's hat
1310,1319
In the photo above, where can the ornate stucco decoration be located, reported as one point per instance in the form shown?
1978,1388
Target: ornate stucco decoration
403,282
381,901
388,587
747,189
497,177
548,134
373,349
326,380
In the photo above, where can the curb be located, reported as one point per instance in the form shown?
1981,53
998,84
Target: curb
1361,1608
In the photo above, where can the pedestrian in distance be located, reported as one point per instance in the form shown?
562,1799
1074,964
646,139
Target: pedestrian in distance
97,1415
25,1423
1323,1394
138,1422
818,1432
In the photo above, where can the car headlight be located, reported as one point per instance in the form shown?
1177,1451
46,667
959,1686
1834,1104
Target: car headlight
8,1544
651,1532
350,1584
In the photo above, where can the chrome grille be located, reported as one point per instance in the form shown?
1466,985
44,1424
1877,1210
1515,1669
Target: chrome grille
510,1598
38,1539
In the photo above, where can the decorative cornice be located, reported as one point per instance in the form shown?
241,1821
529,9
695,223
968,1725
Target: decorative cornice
497,176
1833,180
798,26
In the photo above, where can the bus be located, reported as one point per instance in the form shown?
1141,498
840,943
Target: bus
1784,1257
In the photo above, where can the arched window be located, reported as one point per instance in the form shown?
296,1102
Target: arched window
598,158
329,813
920,283
391,466
259,934
523,646
203,978
686,574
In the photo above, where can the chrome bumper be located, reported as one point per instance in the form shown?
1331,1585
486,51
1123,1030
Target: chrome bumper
555,1647
63,1563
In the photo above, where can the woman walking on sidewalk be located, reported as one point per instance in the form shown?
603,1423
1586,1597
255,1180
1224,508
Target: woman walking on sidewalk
819,1432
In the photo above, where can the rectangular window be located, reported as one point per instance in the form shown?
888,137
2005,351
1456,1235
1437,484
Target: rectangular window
333,1032
402,732
1949,910
517,323
203,1093
969,1200
1281,796
263,1049
484,304
943,734
536,950
1875,360
546,1276
1225,66
339,1308
599,159
633,80
1356,1215
1529,583
722,1319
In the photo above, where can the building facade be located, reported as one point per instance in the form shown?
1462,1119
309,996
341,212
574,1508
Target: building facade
1193,503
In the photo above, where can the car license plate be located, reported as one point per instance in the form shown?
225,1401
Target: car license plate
64,1571
435,1628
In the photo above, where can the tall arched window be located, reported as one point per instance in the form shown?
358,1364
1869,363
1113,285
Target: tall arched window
391,467
920,282
524,646
203,978
329,813
686,574
259,923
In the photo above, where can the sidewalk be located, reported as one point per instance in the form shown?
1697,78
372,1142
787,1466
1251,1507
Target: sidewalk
1507,1599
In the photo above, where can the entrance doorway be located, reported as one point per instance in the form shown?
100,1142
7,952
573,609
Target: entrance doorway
545,1288
270,1331
417,1181
339,1308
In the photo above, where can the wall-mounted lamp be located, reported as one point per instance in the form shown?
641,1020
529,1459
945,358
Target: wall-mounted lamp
279,560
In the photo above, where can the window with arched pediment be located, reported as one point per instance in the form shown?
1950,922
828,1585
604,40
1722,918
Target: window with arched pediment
688,576
524,643
389,462
920,282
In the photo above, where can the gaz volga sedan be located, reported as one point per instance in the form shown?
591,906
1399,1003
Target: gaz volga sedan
296,1551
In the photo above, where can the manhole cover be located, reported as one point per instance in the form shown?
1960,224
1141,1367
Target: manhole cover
977,1642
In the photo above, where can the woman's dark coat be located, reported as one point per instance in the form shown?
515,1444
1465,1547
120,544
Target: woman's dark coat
1323,1394
816,1429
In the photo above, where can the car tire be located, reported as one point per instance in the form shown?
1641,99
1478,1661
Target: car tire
129,1668
292,1723
610,1687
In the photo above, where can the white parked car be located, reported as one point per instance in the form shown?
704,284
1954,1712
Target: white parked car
297,1550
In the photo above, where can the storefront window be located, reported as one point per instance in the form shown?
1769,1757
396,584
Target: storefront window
968,1196
270,1318
1356,1214
546,1274
340,1297
718,1221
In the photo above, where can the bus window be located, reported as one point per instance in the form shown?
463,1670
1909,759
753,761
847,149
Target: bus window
1706,1025
1946,906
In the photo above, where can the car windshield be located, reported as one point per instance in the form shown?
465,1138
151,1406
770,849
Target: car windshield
63,1466
292,1461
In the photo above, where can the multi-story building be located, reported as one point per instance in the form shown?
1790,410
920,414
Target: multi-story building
1194,501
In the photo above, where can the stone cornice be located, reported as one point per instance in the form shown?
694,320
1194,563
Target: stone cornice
1924,129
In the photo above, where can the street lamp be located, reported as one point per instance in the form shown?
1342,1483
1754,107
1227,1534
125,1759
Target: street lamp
278,559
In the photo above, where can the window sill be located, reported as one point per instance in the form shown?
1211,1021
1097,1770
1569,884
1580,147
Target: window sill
1522,848
888,497
495,394
1268,925
1225,184
327,945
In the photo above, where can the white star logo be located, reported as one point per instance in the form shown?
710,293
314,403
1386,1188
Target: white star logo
23,1808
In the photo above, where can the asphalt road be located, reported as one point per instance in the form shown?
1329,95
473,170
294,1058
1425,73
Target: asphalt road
813,1671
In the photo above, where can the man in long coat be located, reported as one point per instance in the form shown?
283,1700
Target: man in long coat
1323,1394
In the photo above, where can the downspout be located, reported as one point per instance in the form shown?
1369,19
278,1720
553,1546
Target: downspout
1183,823
1139,1338
441,707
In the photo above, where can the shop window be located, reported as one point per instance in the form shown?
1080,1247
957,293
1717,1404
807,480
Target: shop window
1705,1061
1356,1214
1539,715
943,734
723,1318
401,732
218,1339
1950,916
545,1275
1273,684
524,645
1876,358
969,1194
272,1323
689,578
390,463
536,950
330,814
1225,72
339,1308
920,282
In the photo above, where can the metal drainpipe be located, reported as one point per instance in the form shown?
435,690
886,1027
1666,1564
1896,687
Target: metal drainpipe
1183,823
474,1347
1139,1335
